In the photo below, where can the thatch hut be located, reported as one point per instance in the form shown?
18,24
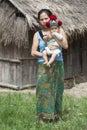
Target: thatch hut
18,22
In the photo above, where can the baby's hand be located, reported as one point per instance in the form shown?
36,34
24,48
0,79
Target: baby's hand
57,35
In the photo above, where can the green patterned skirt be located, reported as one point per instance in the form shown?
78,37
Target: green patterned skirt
49,90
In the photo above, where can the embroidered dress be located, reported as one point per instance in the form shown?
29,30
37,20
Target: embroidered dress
49,89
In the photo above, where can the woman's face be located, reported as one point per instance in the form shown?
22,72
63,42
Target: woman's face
43,19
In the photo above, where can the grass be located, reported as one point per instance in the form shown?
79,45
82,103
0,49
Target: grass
18,112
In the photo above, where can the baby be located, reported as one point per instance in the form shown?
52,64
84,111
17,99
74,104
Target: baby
51,48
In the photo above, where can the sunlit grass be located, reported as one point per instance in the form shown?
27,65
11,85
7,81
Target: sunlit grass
18,112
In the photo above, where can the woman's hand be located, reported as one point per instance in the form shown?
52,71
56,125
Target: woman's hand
47,37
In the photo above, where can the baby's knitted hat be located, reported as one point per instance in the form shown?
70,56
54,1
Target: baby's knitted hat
53,22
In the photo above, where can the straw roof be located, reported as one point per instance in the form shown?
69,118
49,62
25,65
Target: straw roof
72,13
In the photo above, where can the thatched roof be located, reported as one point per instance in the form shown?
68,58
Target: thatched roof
72,13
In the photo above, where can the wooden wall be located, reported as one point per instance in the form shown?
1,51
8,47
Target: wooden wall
75,58
17,68
84,55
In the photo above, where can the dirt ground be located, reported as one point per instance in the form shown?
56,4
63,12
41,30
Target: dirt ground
80,90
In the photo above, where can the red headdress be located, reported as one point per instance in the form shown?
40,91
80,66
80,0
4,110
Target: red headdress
53,22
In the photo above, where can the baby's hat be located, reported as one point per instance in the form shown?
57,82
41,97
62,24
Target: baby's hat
53,21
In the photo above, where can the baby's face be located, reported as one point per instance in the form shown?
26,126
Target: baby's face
54,29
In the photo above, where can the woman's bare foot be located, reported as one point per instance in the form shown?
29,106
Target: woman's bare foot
41,121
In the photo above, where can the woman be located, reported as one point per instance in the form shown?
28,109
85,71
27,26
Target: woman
50,80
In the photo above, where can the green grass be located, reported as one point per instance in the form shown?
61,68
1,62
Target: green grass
18,112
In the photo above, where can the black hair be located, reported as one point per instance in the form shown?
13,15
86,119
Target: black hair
47,11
